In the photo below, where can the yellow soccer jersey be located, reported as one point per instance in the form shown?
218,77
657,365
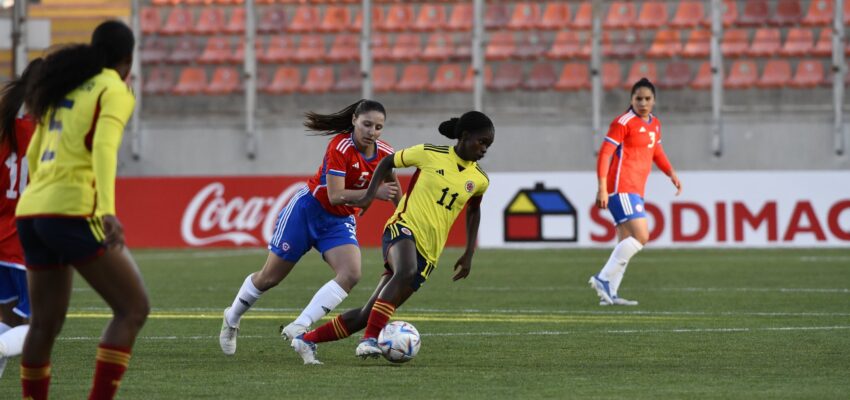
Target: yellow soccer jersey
73,155
438,191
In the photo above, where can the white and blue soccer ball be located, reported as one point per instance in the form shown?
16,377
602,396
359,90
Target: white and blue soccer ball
399,341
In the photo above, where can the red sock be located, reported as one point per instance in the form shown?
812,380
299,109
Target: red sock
381,313
112,361
328,332
35,380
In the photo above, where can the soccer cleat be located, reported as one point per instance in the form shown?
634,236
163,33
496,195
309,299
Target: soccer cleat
292,331
602,289
368,348
618,302
306,349
227,337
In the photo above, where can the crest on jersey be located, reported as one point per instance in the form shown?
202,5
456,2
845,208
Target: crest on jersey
470,186
406,231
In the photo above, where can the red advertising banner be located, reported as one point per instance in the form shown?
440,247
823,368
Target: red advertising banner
225,211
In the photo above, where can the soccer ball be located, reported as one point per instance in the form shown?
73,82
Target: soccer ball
399,341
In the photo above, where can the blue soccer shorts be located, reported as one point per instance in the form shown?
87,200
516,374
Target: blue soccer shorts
13,286
625,207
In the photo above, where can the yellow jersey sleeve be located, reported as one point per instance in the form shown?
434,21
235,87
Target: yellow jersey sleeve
116,107
410,157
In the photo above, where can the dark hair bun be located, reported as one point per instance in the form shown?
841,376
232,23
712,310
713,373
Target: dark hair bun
449,128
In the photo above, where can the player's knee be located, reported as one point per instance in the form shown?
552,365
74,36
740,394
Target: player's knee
404,275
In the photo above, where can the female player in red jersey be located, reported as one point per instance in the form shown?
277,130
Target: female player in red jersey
317,216
632,145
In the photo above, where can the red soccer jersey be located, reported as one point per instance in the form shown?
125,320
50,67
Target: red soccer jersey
343,159
13,180
637,143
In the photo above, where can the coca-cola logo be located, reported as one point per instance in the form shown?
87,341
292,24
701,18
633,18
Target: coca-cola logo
210,217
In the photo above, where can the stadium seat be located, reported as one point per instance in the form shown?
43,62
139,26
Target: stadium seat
407,47
399,17
311,49
530,45
541,77
689,14
788,12
742,75
286,80
154,50
620,44
193,80
777,74
210,22
621,14
384,78
638,70
272,21
236,23
336,19
381,48
820,13
809,74
185,50
728,17
166,3
414,78
178,23
800,42
460,18
225,80
238,56
574,76
469,79
766,42
653,14
217,51
440,47
320,79
507,77
667,43
448,78
756,13
526,16
698,45
345,47
823,46
432,17
150,20
500,46
703,78
377,19
463,46
555,16
306,19
567,45
350,79
280,49
735,42
846,14
496,16
611,75
160,80
584,16
677,75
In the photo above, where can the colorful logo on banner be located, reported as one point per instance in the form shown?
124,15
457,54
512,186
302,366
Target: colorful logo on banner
540,215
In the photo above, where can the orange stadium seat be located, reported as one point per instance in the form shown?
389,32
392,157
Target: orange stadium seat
526,15
350,79
574,76
381,47
273,21
584,16
407,47
469,79
164,2
345,47
621,14
286,80
729,14
688,14
800,42
703,78
154,50
178,23
217,51
236,23
431,17
448,78
336,19
496,16
384,78
653,14
320,79
788,12
766,42
414,78
667,43
460,18
160,80
735,42
698,45
820,13
611,75
555,16
210,22
311,49
541,77
377,19
777,73
193,80
500,46
150,20
281,49
507,77
238,56
440,47
621,44
567,45
809,74
306,19
530,45
225,80
185,50
823,46
399,18
638,70
677,74
463,46
846,13
756,12
742,75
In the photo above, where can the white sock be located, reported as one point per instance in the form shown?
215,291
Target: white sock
247,296
614,284
4,327
616,265
323,302
12,341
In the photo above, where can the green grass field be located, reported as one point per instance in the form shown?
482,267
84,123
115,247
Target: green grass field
712,324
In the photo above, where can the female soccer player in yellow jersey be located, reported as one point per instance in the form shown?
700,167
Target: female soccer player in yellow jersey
66,215
446,179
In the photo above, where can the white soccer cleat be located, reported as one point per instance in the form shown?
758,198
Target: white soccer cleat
618,302
305,349
292,331
602,289
368,348
227,336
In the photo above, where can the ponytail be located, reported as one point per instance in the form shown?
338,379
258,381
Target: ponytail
471,122
340,121
13,95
